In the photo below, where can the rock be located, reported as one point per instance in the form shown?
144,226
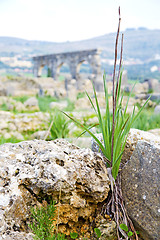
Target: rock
32,172
155,131
141,88
153,85
134,136
141,96
140,187
60,93
140,162
106,227
3,91
39,135
58,105
31,102
154,96
82,142
17,236
157,109
22,122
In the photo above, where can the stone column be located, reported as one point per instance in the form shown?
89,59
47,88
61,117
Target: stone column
35,68
96,70
54,70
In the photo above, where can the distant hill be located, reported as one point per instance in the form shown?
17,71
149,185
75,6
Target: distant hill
141,46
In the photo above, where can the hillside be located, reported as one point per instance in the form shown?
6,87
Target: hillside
141,46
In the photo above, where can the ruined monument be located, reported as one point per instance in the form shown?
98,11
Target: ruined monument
74,61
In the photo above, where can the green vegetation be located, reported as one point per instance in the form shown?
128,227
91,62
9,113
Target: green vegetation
125,228
44,102
9,140
70,106
59,125
42,223
81,95
114,127
147,120
21,99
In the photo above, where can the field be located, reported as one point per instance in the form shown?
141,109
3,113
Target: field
42,116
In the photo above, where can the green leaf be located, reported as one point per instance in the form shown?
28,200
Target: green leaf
74,235
124,227
130,234
98,232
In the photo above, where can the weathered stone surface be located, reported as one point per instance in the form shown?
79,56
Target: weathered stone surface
33,171
32,103
141,189
134,136
140,178
39,135
157,109
107,228
155,131
16,125
58,105
153,85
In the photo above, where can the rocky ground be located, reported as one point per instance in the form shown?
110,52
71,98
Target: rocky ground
31,171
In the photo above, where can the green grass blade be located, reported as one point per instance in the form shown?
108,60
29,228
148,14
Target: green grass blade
141,109
87,130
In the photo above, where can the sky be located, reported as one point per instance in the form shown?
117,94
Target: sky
73,20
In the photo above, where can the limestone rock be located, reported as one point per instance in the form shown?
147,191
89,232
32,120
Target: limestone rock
155,131
153,85
134,136
34,171
157,109
32,103
140,180
39,135
106,227
155,96
141,188
18,124
58,105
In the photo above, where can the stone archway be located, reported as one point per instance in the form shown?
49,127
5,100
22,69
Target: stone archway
73,59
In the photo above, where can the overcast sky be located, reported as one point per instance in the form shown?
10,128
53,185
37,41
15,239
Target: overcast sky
72,20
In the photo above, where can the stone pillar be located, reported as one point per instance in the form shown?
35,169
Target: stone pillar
96,70
35,69
54,70
73,69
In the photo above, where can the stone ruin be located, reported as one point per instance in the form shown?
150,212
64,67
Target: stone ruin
74,61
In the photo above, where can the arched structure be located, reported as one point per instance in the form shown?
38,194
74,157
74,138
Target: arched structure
73,59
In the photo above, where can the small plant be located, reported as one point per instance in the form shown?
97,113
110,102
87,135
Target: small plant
74,235
114,127
125,228
81,95
59,125
21,99
98,232
42,224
